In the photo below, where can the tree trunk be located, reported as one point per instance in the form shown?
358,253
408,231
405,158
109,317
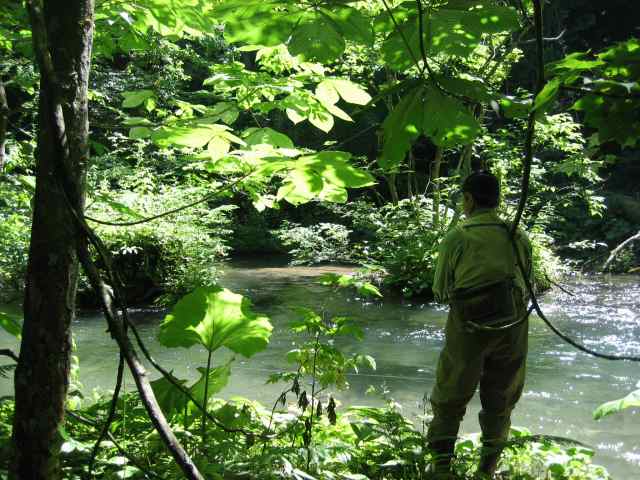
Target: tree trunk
41,378
4,119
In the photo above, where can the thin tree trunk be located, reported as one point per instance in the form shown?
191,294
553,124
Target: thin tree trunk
41,378
4,119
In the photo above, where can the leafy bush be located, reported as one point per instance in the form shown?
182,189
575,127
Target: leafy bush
403,242
324,242
172,255
15,227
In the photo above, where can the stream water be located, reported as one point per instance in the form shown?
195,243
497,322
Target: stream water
563,386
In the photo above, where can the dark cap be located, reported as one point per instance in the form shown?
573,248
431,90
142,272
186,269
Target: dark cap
484,187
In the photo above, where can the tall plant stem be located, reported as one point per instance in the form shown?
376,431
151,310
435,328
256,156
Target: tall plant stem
205,400
313,397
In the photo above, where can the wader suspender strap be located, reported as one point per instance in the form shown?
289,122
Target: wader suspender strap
516,252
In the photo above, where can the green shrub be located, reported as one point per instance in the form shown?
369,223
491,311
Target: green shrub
324,242
172,255
15,228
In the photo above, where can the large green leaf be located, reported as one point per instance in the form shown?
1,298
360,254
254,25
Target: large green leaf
575,62
466,86
316,38
215,317
301,185
401,127
401,48
324,175
329,91
615,406
446,121
334,168
456,28
192,136
544,99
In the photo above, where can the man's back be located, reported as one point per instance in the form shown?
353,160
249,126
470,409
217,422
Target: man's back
479,252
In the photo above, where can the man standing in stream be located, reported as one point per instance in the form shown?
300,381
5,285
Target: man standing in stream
479,276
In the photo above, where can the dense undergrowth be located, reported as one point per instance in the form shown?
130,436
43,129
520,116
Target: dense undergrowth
360,443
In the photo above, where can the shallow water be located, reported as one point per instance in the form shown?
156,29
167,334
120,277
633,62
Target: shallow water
563,386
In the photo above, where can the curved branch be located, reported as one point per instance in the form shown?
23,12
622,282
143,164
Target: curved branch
617,250
205,198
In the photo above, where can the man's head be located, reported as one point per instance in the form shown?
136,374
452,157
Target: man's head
481,189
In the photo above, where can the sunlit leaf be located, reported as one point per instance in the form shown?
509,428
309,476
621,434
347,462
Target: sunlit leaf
215,317
350,23
268,22
301,185
140,132
547,95
218,147
269,136
447,121
185,136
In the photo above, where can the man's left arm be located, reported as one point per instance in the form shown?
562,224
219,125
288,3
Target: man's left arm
443,280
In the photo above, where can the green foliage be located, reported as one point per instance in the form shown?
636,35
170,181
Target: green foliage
402,240
315,33
324,242
451,29
11,322
375,443
610,91
15,224
169,256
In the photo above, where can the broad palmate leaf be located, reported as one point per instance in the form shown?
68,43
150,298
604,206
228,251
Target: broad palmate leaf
215,317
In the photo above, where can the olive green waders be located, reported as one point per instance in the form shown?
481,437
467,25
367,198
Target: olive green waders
494,360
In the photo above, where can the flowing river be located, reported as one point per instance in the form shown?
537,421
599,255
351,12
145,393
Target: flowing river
563,386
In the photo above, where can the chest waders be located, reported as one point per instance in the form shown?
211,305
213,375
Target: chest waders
495,306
